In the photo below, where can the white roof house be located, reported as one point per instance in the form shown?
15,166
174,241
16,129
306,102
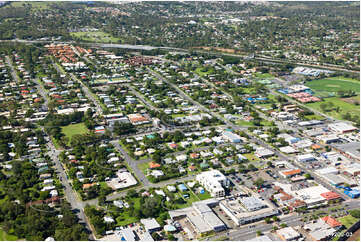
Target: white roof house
150,224
108,219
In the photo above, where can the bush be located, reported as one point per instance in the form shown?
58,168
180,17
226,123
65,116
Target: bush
355,213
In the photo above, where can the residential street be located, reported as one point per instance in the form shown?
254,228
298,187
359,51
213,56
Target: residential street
69,193
13,71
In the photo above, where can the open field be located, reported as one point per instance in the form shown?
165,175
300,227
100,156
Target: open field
97,36
334,84
344,107
6,237
73,129
348,221
36,5
264,75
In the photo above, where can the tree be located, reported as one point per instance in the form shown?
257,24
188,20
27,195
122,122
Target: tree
156,236
323,106
171,237
275,218
355,213
259,233
132,193
308,176
259,182
151,207
283,225
267,220
251,167
102,199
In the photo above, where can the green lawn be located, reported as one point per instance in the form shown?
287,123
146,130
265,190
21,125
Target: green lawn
263,75
348,221
244,123
344,107
7,237
73,129
334,84
143,167
251,157
202,71
189,200
178,115
56,144
125,218
97,36
204,196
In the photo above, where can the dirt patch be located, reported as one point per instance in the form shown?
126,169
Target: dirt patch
350,100
355,236
232,51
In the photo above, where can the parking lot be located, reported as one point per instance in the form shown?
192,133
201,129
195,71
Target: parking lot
224,217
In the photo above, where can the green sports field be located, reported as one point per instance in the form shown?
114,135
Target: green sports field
334,84
73,129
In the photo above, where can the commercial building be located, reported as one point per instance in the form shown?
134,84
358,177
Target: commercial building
200,216
351,150
288,234
151,225
138,119
263,152
123,179
305,158
328,139
310,195
290,173
323,229
246,210
214,182
231,137
341,127
261,238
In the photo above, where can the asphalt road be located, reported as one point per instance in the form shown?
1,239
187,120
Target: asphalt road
240,234
13,71
86,90
140,96
69,193
132,163
253,138
147,47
